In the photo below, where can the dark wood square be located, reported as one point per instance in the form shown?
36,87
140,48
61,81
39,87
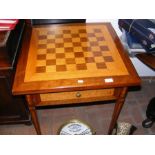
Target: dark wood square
69,49
83,39
51,50
51,62
85,49
76,44
67,40
41,69
108,59
60,55
96,54
104,48
89,60
61,68
42,46
51,41
93,43
59,36
70,61
101,65
41,37
81,67
100,39
59,45
75,35
79,54
66,31
82,31
41,57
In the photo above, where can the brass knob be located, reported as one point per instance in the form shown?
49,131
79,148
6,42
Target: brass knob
78,94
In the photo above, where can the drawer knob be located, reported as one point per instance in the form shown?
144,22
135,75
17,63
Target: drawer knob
78,94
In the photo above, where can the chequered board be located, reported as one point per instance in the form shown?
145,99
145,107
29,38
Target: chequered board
72,52
67,51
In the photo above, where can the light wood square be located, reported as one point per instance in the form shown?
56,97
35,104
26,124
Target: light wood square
50,56
50,36
67,36
69,55
80,60
71,67
85,44
76,40
99,59
50,69
59,40
95,48
41,63
44,41
88,54
60,61
68,44
77,49
92,39
59,50
41,51
91,66
50,45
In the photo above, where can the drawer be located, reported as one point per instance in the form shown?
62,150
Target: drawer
75,97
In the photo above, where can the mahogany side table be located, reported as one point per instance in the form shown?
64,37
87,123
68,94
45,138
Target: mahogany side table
73,63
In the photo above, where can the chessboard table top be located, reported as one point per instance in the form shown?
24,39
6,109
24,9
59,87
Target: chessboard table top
72,56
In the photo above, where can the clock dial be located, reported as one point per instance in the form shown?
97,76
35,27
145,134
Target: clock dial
75,127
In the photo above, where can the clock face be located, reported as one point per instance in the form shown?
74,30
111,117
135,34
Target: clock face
75,127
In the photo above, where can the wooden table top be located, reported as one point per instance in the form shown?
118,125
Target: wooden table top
72,57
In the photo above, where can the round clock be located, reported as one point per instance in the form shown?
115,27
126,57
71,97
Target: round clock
75,127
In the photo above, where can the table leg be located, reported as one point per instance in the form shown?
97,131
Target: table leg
117,109
33,114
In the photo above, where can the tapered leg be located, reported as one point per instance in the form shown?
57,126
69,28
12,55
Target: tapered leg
33,114
117,109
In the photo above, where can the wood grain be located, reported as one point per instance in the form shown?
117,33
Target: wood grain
121,71
76,97
106,59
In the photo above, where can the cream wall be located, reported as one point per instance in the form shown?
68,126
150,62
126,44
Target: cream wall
142,69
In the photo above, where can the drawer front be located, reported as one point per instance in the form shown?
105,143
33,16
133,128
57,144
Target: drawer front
76,96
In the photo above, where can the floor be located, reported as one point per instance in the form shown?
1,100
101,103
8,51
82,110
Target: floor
98,116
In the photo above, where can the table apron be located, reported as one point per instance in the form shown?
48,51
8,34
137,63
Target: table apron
75,97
